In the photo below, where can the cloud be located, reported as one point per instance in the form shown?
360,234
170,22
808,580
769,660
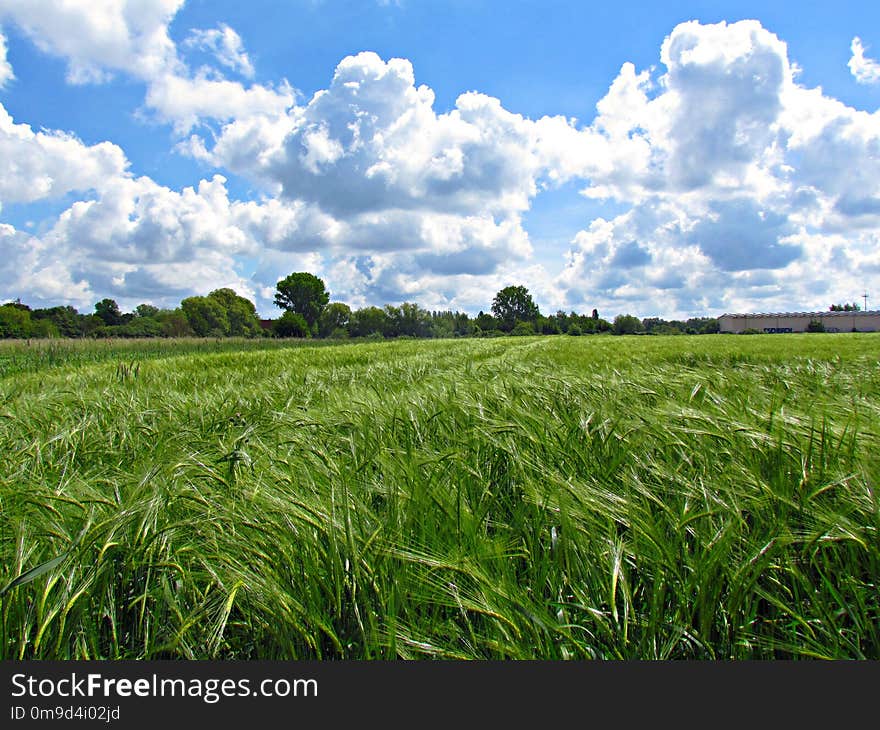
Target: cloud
137,241
32,271
186,101
226,46
737,235
865,70
372,142
710,121
398,277
736,184
137,221
49,164
730,168
6,74
630,255
100,37
367,165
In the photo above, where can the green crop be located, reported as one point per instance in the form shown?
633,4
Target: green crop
516,498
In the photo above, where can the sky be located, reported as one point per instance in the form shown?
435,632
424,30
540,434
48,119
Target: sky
670,159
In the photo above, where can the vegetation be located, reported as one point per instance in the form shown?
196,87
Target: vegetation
513,305
627,324
530,497
844,308
308,312
303,294
221,314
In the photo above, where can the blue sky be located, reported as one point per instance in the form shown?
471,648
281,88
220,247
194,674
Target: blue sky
661,159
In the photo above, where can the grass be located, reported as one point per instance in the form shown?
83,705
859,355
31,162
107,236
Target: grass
557,498
36,356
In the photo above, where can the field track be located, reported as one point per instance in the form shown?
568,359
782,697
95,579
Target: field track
706,497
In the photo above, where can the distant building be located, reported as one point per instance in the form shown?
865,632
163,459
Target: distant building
266,324
799,321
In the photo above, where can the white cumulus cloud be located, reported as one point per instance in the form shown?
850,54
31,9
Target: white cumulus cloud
737,186
226,46
865,70
6,74
49,164
736,176
99,37
368,165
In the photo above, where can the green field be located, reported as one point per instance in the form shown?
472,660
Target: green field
706,497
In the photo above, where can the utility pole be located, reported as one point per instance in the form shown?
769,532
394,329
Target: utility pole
865,297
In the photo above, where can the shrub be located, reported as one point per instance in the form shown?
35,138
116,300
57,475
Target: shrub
522,329
291,324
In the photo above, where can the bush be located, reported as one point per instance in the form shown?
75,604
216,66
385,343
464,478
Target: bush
627,324
575,330
291,324
523,329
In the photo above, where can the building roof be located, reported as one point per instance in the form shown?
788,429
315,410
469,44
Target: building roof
757,315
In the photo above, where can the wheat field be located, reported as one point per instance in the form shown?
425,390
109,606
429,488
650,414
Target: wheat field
709,497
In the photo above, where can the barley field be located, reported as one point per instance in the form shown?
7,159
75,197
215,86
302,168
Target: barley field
709,497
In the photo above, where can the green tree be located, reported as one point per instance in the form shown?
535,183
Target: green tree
368,321
146,310
15,322
815,325
108,311
65,319
174,323
521,329
291,324
407,320
43,328
88,325
304,294
336,316
514,304
206,316
140,327
627,324
486,322
241,314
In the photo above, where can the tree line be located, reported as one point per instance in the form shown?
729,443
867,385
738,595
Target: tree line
308,312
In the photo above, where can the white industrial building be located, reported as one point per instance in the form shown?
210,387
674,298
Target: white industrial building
799,321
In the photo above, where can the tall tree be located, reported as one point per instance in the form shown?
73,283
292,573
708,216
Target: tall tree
304,294
368,321
108,311
627,324
206,316
15,321
514,304
241,314
146,310
336,316
65,319
291,324
408,320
